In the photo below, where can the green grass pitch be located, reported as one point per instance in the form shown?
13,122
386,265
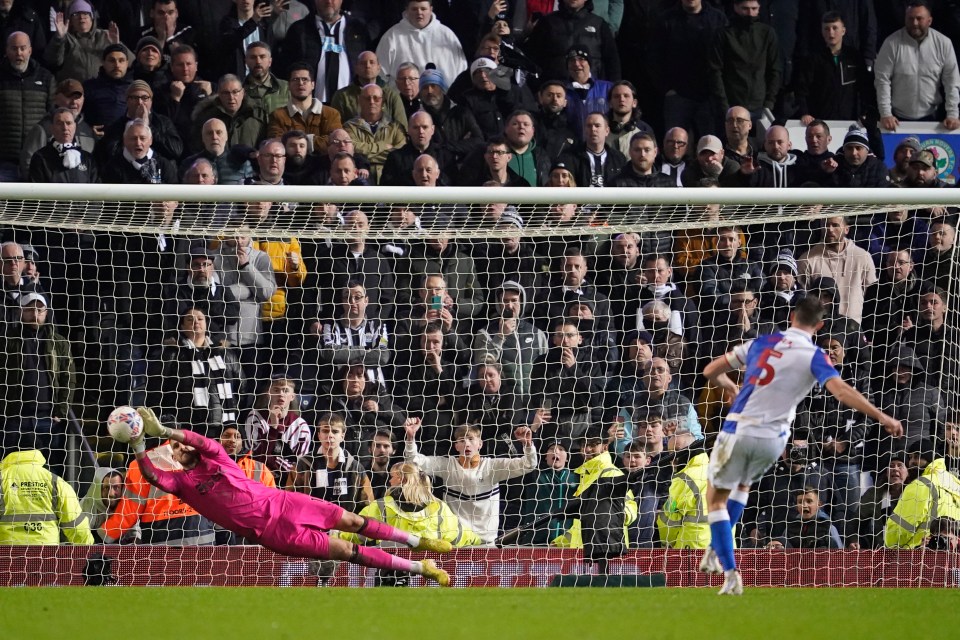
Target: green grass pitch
495,614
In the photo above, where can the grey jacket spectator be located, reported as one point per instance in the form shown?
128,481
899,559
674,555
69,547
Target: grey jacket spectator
252,283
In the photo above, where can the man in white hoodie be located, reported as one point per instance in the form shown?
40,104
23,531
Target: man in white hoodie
420,38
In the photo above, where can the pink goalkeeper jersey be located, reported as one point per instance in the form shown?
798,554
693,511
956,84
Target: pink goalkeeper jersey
218,489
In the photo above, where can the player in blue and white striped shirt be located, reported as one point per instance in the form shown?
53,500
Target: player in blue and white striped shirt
780,369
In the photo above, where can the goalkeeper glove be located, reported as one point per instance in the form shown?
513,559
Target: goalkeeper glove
151,425
137,444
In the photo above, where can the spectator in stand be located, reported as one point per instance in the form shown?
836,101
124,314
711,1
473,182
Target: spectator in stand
554,132
420,38
16,282
492,98
102,498
407,83
744,66
897,230
489,47
712,162
17,15
493,404
332,473
380,458
916,73
737,126
573,23
938,257
275,430
366,406
70,96
617,274
817,138
267,91
630,375
594,162
26,93
441,254
248,21
456,125
304,112
374,134
550,493
421,139
659,397
195,379
366,70
905,151
833,81
232,163
809,526
38,382
352,337
682,46
105,95
716,274
922,171
497,155
302,167
673,159
77,46
248,273
780,292
327,43
857,167
136,162
166,27
245,123
201,289
933,339
657,279
585,93
951,443
232,442
139,98
905,394
472,481
879,501
510,340
837,257
570,282
777,164
859,18
681,524
340,144
509,258
624,116
185,92
151,65
641,171
63,159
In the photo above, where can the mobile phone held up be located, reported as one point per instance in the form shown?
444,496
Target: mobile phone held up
436,303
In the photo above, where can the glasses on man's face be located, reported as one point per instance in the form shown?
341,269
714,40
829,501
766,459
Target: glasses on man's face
140,98
273,156
356,297
341,143
497,152
738,121
409,79
201,264
12,259
675,143
299,79
231,92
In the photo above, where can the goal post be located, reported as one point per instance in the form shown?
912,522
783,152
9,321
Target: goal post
446,322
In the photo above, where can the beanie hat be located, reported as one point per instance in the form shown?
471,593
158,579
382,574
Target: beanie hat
433,76
856,135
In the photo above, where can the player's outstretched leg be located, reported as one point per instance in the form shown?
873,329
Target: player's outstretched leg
377,530
380,559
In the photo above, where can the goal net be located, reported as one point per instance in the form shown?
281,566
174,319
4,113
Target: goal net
519,371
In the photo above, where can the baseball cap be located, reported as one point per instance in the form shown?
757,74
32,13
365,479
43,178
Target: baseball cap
29,298
433,76
481,63
70,87
926,158
29,252
710,143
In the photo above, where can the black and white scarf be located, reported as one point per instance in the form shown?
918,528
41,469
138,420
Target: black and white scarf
69,154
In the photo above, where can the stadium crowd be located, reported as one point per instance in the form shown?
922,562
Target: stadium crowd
546,388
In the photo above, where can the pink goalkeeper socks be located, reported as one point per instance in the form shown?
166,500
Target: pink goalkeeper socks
377,530
380,559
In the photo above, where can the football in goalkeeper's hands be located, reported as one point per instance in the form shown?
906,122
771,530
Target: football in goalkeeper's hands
125,424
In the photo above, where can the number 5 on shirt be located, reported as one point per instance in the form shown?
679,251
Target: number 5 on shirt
766,370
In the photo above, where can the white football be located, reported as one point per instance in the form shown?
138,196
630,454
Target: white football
125,424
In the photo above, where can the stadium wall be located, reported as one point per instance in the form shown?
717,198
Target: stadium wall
504,568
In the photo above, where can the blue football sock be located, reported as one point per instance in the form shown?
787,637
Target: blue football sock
722,541
735,506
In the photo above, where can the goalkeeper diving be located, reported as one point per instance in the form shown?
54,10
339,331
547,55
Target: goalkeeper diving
286,522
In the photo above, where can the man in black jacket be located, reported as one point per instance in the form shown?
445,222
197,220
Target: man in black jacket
166,140
304,42
455,125
398,168
573,24
136,162
641,171
26,92
593,162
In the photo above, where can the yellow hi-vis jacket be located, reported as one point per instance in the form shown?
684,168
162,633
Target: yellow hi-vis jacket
435,521
590,471
683,522
935,494
36,505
